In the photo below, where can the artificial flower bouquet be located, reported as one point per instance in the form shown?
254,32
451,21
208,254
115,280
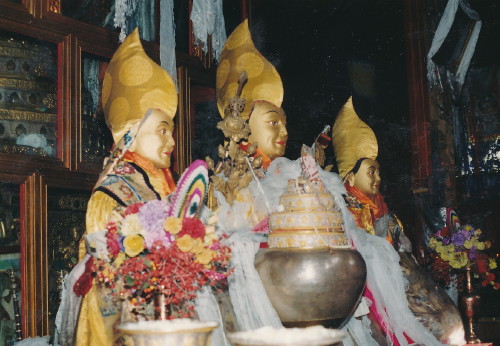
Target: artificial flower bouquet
144,252
452,253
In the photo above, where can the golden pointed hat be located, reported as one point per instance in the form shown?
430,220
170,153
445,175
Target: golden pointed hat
264,82
133,84
352,139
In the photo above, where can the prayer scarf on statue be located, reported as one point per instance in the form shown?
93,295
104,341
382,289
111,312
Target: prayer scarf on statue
364,209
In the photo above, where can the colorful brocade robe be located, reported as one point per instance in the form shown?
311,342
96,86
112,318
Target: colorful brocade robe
133,180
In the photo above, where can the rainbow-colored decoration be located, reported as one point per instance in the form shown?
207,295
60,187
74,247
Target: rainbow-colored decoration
190,192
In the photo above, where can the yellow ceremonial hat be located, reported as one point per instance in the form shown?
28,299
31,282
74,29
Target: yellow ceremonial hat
133,84
264,82
352,139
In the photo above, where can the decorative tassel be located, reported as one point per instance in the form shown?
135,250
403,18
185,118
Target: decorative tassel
167,39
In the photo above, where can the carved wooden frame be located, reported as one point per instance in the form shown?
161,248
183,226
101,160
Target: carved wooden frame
34,247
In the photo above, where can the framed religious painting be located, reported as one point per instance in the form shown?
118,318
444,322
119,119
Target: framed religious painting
93,136
57,209
66,222
10,261
10,283
196,132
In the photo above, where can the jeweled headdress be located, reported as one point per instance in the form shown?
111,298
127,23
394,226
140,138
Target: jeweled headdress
352,139
239,54
133,84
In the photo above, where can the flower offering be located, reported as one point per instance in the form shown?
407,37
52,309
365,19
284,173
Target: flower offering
459,250
148,252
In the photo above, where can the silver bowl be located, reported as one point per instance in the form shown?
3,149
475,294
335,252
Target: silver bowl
312,286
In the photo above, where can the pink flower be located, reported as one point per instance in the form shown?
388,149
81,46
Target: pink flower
157,235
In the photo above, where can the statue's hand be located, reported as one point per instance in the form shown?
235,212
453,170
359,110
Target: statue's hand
404,243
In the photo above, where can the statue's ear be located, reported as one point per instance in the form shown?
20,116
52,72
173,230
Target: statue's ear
351,178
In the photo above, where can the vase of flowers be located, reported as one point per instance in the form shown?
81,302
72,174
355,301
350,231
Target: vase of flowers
460,255
144,254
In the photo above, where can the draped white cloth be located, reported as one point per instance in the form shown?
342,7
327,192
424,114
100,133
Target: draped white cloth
208,19
67,314
442,31
167,39
384,276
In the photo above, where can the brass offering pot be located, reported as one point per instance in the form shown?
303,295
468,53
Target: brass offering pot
312,286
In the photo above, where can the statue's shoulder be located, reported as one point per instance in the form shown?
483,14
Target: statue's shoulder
127,184
352,202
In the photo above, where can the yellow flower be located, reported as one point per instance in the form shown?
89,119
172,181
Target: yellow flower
440,248
492,264
173,225
450,248
468,244
209,229
133,244
480,245
119,259
446,256
185,243
209,238
130,225
205,256
197,246
432,243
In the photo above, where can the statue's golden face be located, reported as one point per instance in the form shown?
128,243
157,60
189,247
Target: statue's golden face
367,178
268,128
154,141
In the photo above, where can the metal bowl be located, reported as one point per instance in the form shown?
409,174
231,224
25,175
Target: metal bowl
312,286
182,332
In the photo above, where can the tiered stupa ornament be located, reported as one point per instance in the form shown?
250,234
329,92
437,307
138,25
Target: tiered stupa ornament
310,272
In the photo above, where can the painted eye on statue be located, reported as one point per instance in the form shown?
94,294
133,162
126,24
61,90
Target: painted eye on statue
273,123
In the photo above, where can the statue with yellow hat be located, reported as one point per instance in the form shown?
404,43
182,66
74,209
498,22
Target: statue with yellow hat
140,101
249,97
399,312
262,93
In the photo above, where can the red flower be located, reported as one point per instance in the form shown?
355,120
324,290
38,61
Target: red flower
444,232
481,265
193,227
111,227
84,282
134,208
113,242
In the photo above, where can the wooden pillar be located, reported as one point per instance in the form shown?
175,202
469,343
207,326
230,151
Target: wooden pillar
416,52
